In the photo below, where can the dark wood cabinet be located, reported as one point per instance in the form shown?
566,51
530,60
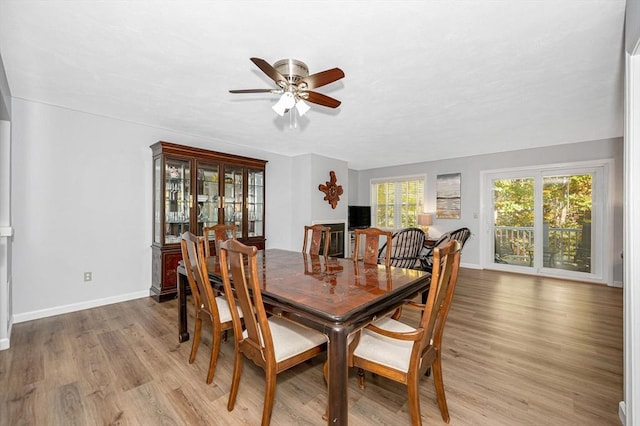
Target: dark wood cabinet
194,188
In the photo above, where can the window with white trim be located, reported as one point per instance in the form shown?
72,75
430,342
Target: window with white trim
396,202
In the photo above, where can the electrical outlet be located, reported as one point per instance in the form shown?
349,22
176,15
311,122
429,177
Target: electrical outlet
87,276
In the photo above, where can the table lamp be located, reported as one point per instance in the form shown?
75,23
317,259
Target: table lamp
424,220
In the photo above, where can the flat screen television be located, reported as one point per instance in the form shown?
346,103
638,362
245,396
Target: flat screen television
359,217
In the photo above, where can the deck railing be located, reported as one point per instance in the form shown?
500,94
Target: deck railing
561,246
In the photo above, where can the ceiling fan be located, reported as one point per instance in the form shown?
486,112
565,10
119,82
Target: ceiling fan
295,84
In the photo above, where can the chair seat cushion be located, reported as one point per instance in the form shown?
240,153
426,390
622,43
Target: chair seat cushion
290,339
224,310
383,350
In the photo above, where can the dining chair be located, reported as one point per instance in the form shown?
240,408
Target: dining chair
271,342
220,233
427,260
400,352
207,306
371,243
461,235
407,246
314,236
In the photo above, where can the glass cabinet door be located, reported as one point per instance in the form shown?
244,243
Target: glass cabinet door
207,196
233,202
255,202
177,199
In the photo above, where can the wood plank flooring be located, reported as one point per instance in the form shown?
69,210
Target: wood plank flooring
518,350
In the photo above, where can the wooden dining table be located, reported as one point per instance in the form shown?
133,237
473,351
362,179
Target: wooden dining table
334,296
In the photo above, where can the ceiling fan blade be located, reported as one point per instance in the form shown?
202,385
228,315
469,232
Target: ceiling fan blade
319,79
270,71
254,91
320,99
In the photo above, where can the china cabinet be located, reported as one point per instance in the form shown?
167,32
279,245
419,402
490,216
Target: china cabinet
194,188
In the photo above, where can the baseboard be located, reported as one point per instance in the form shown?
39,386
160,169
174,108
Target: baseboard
617,284
622,413
470,265
44,313
5,342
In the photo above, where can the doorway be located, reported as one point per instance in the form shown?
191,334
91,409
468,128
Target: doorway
549,220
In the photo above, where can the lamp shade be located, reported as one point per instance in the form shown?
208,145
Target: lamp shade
425,219
285,103
302,107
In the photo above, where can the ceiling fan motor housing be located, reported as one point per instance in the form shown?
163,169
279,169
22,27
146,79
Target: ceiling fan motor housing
292,69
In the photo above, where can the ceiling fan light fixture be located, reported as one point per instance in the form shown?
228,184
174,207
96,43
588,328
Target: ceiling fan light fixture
285,103
302,107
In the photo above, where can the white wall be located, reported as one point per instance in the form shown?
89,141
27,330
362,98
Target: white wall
278,198
470,167
632,26
308,204
82,201
5,95
353,184
300,203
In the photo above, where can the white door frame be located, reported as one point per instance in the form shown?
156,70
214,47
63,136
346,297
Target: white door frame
6,232
602,271
629,410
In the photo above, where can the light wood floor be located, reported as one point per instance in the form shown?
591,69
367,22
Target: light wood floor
518,350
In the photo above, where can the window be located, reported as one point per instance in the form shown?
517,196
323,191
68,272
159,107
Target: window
396,202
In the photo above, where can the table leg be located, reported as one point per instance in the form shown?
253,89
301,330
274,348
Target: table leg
338,376
183,334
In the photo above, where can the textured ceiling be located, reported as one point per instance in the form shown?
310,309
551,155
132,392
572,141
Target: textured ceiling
425,80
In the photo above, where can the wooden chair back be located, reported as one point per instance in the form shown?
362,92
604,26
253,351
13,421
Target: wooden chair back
443,282
314,236
197,274
402,353
207,305
293,344
242,264
219,233
371,244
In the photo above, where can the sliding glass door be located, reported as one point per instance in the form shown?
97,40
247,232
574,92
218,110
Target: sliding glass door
567,208
513,224
548,220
